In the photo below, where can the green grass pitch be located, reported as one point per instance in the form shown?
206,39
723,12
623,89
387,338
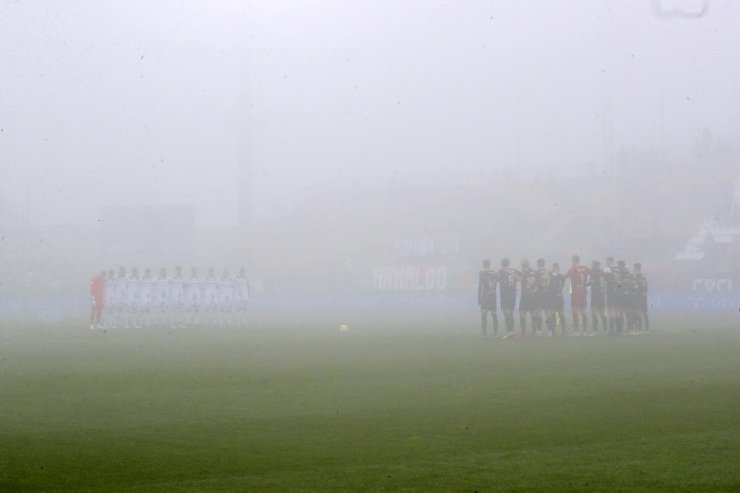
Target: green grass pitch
285,406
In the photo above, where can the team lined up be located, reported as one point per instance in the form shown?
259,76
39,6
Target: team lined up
617,296
123,300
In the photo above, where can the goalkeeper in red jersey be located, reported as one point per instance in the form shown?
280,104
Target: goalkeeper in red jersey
97,298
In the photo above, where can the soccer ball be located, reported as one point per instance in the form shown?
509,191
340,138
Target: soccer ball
344,328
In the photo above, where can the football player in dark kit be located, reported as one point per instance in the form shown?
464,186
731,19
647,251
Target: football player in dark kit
597,283
623,279
578,275
555,300
540,297
527,298
640,302
612,297
507,279
487,280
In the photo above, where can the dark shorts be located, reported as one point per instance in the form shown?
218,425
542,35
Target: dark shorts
642,303
508,301
488,304
526,303
557,303
613,300
598,300
544,301
537,301
628,301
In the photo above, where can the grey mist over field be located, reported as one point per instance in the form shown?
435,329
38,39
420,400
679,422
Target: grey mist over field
343,168
376,148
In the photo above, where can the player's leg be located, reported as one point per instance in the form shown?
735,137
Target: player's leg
534,315
210,312
619,322
198,312
550,317
523,322
93,311
143,313
171,316
554,316
134,315
126,315
557,320
574,315
507,307
218,310
628,322
637,320
112,314
192,310
581,302
245,313
103,314
509,320
121,314
613,317
137,315
483,320
203,312
168,317
584,320
523,311
156,309
99,313
541,317
594,316
644,312
561,317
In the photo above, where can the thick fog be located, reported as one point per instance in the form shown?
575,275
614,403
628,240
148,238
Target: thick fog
320,144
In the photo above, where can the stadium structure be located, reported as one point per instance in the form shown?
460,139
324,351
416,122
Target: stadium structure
319,254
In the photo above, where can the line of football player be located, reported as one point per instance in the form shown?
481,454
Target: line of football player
131,300
615,297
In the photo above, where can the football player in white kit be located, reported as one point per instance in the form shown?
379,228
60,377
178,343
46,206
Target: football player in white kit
192,297
240,290
175,298
133,288
209,300
118,306
225,299
159,298
109,296
144,299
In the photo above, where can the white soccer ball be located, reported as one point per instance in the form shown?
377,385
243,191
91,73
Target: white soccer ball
344,328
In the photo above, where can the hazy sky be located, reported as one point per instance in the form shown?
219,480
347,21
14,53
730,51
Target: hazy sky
161,102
